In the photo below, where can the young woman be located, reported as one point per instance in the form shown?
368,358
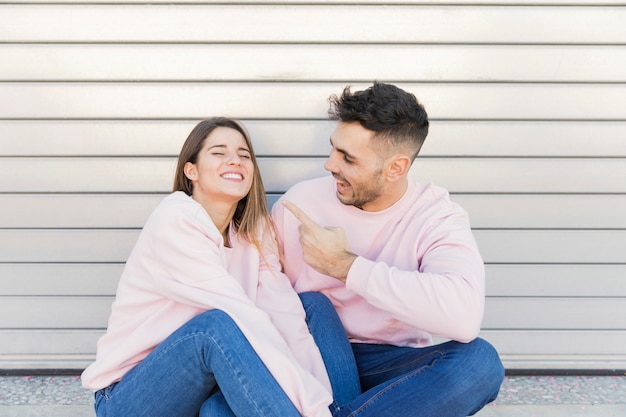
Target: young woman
204,323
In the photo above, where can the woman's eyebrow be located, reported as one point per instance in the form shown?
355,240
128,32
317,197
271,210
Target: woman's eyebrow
241,148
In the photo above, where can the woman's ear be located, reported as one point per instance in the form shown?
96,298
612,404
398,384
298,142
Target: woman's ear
398,168
190,171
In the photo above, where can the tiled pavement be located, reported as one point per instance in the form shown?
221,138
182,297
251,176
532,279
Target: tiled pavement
520,396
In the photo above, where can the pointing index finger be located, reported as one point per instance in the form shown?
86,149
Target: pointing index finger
299,213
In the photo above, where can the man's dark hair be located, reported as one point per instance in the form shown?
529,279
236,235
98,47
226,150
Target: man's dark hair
398,120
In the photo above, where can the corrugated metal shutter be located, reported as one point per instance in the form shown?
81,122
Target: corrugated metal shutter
528,108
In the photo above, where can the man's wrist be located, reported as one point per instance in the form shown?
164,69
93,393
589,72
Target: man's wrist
346,263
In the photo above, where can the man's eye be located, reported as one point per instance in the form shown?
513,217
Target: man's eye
346,160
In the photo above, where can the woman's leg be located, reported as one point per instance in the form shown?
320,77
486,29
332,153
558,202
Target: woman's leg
216,406
186,368
332,341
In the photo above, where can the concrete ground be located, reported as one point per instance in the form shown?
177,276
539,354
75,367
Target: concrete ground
520,396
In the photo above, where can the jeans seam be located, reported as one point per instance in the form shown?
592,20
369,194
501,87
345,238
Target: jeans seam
441,353
403,379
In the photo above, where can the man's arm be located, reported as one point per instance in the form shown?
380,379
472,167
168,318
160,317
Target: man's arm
325,249
445,297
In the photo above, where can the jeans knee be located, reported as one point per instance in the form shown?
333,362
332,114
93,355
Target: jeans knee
313,297
315,300
488,363
491,355
215,319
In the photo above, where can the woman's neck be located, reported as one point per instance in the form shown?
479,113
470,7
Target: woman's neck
221,214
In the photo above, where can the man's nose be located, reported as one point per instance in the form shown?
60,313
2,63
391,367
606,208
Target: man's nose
330,165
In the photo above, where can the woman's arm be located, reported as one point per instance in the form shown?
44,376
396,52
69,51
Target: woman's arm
191,269
278,299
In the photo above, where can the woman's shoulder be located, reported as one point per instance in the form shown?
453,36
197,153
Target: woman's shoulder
179,207
177,204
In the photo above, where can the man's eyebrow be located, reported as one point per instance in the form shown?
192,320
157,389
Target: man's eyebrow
343,151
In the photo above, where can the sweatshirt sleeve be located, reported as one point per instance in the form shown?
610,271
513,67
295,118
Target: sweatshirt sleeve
279,300
192,271
444,295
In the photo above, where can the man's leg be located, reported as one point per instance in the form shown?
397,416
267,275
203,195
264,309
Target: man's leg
448,380
332,341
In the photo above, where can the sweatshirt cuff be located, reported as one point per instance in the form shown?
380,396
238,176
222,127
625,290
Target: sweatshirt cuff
358,275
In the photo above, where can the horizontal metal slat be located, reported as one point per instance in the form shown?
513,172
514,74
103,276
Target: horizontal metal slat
556,313
167,100
496,246
59,279
458,175
513,280
552,246
359,63
311,23
311,138
508,313
486,211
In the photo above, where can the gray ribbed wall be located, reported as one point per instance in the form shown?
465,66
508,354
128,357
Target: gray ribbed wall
528,108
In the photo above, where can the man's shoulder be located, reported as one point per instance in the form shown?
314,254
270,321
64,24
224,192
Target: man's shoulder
432,192
431,197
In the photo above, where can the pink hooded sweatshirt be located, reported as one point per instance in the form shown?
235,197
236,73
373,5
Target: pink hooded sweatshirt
180,268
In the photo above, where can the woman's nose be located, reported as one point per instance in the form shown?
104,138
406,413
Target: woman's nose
234,159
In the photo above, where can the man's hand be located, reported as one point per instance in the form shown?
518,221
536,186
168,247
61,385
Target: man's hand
325,249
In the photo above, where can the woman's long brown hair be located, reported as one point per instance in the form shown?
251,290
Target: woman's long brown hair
252,213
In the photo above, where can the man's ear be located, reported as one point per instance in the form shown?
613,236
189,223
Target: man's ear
399,167
190,171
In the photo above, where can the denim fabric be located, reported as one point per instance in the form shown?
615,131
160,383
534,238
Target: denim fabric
332,341
179,377
448,380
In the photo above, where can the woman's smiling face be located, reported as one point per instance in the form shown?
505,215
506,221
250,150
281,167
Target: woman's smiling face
224,169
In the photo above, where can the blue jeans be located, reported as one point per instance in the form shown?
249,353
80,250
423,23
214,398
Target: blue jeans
181,377
448,380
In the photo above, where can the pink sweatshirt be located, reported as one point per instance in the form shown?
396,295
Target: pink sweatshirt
179,268
418,271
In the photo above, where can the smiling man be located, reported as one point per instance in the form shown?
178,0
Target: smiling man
399,264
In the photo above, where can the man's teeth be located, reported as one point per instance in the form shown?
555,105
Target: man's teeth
232,176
